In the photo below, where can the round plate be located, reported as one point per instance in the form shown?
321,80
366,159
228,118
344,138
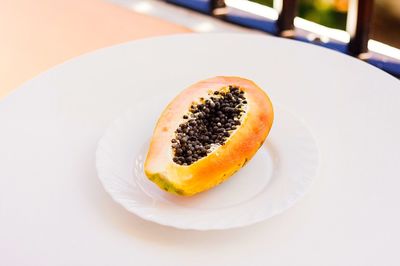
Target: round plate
278,175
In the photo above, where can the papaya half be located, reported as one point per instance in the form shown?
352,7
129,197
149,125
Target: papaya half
207,133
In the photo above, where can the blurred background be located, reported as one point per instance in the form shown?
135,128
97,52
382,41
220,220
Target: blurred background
383,22
333,13
367,29
47,32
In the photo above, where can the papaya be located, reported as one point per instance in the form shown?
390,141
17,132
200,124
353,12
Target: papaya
207,133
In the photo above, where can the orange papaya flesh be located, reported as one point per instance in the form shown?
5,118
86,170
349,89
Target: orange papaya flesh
207,133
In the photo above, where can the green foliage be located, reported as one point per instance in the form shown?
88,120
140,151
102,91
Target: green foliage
320,11
264,2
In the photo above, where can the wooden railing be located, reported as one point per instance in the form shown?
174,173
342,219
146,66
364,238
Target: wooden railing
285,22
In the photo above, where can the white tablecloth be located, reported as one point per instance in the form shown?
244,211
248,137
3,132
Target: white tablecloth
53,210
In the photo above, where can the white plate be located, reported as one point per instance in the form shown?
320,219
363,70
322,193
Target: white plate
278,175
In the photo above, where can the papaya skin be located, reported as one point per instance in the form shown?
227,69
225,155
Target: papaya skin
225,160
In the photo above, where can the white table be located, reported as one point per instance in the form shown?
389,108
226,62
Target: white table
53,210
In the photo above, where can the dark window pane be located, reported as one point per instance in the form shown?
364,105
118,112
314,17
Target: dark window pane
386,22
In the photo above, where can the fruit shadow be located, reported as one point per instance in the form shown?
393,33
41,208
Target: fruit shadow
135,227
156,234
